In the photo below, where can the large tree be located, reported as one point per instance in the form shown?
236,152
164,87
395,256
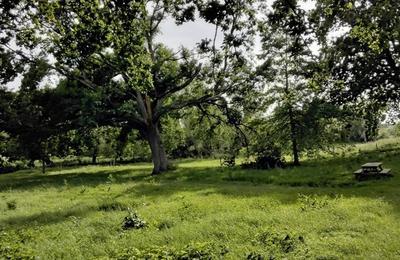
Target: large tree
285,55
109,47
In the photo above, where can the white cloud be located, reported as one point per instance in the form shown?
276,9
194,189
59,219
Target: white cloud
187,34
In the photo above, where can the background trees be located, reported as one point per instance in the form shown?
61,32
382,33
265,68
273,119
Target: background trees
298,114
363,61
119,83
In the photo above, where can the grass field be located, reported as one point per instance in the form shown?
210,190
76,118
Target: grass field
201,210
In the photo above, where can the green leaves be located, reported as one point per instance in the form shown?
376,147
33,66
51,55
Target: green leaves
369,36
81,32
364,59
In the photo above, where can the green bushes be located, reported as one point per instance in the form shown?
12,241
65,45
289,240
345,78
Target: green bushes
309,202
267,156
11,205
7,166
279,244
133,221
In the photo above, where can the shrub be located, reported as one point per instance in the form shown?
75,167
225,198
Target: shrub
267,156
309,202
133,221
6,166
228,160
11,205
278,244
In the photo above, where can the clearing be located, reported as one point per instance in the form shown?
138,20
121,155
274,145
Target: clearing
317,210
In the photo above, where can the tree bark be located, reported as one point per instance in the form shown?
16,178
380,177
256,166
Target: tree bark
94,156
43,166
293,136
158,154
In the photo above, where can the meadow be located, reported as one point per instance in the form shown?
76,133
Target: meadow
204,211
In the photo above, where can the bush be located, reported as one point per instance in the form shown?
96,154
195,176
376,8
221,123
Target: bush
267,157
6,166
133,221
309,202
228,161
280,244
11,205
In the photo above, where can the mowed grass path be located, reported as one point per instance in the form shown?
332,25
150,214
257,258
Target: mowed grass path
314,211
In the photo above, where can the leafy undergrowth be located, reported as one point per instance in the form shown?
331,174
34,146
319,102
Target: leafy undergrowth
202,211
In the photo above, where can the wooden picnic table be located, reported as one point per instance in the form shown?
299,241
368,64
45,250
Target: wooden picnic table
372,167
372,170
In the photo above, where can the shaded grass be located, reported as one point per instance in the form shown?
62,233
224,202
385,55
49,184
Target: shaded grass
77,212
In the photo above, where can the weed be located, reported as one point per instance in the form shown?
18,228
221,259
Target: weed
83,189
309,202
133,221
188,211
111,179
281,243
11,205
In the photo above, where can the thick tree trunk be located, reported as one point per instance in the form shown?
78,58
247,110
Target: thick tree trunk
158,154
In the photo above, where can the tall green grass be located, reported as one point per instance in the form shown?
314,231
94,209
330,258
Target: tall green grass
202,210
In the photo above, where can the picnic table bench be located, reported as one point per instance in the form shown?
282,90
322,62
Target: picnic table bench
372,170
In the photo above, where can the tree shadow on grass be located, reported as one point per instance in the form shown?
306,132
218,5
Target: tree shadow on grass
47,217
166,190
379,190
331,172
329,177
28,182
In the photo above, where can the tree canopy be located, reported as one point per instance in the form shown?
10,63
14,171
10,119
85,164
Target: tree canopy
314,67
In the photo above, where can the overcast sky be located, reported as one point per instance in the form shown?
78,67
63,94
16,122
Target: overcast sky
191,33
186,35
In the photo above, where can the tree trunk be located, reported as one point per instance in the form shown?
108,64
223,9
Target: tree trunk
293,137
43,165
158,154
94,156
293,134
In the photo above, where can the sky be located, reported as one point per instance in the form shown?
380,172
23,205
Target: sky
187,35
191,33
